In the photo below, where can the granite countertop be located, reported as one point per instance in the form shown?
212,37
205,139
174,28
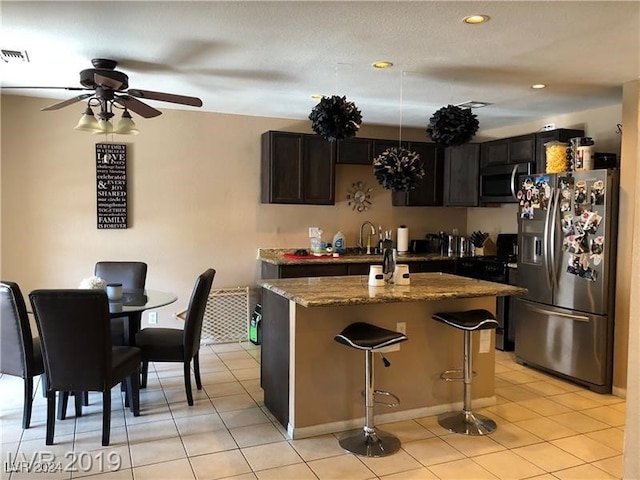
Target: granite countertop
354,290
276,257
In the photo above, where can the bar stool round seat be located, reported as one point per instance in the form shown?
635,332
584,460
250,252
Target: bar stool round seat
369,441
466,422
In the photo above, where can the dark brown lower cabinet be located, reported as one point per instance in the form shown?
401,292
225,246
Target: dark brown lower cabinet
274,360
310,269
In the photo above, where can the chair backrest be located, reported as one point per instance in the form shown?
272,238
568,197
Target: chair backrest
195,312
75,334
132,275
16,342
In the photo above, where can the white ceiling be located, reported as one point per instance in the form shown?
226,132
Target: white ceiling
267,58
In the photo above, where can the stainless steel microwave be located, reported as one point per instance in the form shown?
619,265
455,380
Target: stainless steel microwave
498,182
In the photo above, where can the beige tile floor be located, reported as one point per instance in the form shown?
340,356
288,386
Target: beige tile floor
548,429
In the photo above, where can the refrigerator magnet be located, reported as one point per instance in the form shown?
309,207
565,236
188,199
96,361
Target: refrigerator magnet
567,224
597,192
597,249
591,222
573,267
581,192
585,271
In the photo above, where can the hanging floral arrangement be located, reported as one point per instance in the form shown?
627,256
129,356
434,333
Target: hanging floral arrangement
451,126
398,169
334,118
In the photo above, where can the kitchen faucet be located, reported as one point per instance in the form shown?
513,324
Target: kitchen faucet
371,233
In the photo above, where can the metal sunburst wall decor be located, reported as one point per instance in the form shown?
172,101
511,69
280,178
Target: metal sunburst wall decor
359,196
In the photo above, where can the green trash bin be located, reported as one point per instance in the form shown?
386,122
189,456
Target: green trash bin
255,326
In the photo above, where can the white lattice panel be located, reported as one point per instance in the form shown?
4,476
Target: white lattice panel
226,317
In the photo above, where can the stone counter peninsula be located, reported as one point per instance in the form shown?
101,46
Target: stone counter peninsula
312,385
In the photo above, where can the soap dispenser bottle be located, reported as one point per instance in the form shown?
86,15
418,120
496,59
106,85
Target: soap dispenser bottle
339,243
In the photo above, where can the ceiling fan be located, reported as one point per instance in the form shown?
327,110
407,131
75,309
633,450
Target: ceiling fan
109,87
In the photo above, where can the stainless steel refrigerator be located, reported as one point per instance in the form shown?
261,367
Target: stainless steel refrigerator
567,231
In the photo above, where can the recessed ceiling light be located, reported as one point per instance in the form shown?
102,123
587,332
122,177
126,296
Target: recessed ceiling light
382,65
317,95
475,19
538,86
473,104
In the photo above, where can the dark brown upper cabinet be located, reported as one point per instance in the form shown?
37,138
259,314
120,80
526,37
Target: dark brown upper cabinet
520,149
355,151
297,168
429,191
461,175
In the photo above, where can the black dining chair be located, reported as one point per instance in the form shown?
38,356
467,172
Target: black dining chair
20,353
132,276
75,331
179,345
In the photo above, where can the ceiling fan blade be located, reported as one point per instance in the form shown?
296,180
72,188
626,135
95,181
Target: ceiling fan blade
48,88
137,106
59,105
108,82
166,97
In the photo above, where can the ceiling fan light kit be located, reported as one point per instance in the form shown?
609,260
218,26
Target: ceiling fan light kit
126,125
88,122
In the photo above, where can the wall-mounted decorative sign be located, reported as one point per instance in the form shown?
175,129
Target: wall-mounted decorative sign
111,185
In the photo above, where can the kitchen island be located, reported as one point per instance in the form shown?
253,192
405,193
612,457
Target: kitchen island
312,385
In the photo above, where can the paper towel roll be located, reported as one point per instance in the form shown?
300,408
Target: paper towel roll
403,239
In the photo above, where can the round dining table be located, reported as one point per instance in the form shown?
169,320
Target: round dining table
131,306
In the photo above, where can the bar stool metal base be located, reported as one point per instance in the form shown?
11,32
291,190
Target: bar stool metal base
376,444
467,423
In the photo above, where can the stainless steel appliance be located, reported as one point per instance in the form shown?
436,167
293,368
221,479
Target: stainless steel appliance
567,229
496,268
498,183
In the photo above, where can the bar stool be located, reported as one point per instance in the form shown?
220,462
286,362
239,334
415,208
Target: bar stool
369,441
466,422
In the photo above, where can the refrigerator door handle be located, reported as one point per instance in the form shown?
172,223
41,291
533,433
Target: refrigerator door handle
579,318
513,181
552,240
546,241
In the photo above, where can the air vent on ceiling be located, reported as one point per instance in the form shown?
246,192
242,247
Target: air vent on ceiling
15,56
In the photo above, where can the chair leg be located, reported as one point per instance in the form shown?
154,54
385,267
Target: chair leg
466,422
106,417
63,400
133,393
28,402
145,371
85,398
78,399
43,381
369,441
126,386
196,370
187,382
51,417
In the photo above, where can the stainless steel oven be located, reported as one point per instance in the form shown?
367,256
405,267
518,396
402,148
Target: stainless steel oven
498,183
500,269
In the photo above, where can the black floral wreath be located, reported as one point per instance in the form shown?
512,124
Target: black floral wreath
398,169
335,119
451,126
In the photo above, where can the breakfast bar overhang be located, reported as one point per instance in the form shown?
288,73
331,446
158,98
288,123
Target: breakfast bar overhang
312,385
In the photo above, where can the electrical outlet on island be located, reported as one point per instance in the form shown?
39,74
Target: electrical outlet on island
153,318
